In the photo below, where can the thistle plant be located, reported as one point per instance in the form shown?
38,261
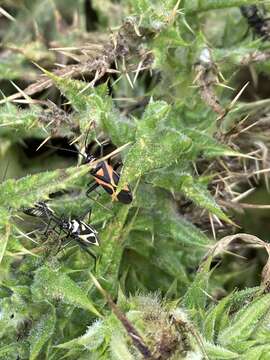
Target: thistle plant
172,90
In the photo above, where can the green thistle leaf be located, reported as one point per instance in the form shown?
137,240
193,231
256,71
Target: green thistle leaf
52,285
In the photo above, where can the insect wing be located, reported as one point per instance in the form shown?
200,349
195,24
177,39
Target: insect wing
41,209
109,179
87,234
33,212
103,177
125,195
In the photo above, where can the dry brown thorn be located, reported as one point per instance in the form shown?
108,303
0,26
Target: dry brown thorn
240,206
219,135
121,45
6,14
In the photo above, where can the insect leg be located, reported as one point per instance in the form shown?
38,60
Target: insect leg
117,166
92,188
92,254
100,145
89,214
63,247
101,150
48,227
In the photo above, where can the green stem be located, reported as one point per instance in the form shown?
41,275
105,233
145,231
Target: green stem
194,6
112,250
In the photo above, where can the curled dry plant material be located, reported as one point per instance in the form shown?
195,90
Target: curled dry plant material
226,243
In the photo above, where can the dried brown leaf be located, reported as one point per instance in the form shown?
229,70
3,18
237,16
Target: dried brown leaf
223,245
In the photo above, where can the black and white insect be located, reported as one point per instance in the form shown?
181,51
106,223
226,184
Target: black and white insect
256,20
75,229
78,230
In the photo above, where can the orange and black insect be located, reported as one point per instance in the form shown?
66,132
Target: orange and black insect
105,176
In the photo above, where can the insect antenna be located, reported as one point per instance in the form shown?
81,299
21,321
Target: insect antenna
96,140
92,254
68,150
86,138
5,172
99,203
